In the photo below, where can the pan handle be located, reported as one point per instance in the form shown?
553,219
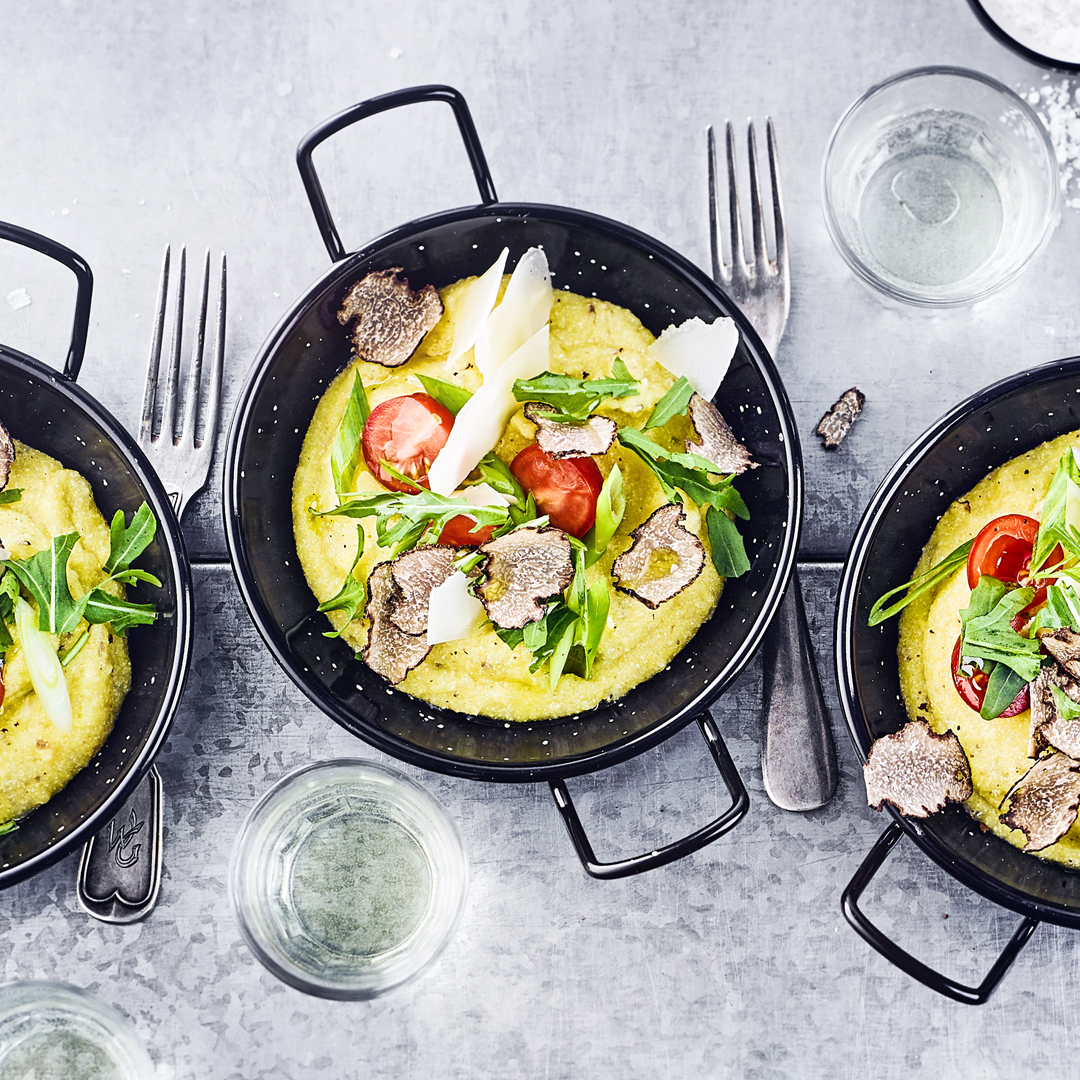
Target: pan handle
409,96
677,849
969,995
84,280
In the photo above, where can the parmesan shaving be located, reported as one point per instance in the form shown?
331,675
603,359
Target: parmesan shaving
475,307
525,308
699,351
453,612
479,424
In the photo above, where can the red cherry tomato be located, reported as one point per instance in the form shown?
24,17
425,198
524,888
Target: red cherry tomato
456,532
1003,550
408,432
566,489
972,688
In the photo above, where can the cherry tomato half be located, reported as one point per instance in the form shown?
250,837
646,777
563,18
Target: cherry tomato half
456,532
1003,550
972,688
408,432
566,489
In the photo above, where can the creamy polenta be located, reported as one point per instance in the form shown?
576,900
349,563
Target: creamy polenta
996,749
37,758
481,674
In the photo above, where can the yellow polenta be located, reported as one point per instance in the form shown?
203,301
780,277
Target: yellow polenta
997,749
36,758
480,674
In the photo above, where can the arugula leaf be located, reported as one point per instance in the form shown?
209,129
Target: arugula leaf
1001,690
1067,708
984,598
576,399
8,826
126,544
402,519
447,394
990,637
348,446
679,472
10,495
103,607
919,585
1060,523
725,542
1062,608
9,593
352,594
673,403
44,576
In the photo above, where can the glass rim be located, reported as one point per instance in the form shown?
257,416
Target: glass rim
913,295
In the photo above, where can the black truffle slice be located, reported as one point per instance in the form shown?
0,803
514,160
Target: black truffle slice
718,443
1063,645
520,571
415,573
391,319
1048,727
836,423
1044,801
589,439
662,560
917,770
7,455
389,652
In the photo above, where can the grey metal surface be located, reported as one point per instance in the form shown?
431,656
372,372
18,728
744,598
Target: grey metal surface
124,126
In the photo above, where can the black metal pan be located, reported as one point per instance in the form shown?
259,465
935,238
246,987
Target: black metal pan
990,428
49,410
593,256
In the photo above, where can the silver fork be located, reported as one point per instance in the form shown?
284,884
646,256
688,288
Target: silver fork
182,458
120,869
798,762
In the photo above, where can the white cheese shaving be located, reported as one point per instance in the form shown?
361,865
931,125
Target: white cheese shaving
699,350
484,495
475,307
479,424
525,307
453,612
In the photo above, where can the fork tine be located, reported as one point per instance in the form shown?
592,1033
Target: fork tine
718,269
150,392
778,202
213,395
757,224
168,406
738,260
192,406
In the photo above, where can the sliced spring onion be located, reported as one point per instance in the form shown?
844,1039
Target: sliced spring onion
75,649
46,672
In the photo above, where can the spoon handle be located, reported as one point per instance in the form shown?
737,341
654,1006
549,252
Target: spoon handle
798,763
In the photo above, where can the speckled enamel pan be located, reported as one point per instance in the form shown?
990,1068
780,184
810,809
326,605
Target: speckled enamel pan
50,411
589,255
995,425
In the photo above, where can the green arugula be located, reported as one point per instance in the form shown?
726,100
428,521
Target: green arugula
1060,521
10,495
128,542
100,606
1001,690
987,635
726,544
1062,608
674,403
348,439
610,508
352,595
1066,707
576,399
44,576
919,585
447,394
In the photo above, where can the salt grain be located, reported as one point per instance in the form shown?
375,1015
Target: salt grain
1058,104
18,299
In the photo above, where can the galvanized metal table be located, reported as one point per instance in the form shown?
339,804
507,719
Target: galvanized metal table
124,126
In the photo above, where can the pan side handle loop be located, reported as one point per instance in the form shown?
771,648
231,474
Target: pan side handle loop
84,281
607,871
969,995
384,102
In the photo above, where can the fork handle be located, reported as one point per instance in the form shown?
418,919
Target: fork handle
84,281
384,102
798,763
